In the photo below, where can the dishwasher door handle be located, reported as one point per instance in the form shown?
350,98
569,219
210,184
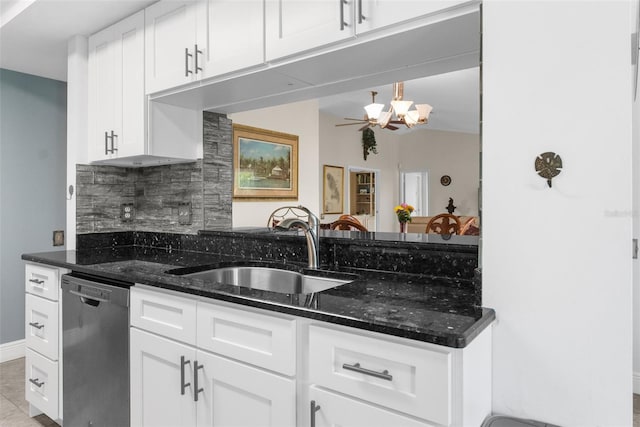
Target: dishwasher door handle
91,300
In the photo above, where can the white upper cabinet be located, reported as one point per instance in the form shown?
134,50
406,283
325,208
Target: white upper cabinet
232,38
187,41
171,56
375,14
116,90
294,26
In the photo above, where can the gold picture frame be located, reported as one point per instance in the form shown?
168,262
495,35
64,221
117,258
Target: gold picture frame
265,164
332,189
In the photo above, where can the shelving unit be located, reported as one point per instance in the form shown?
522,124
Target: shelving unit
362,197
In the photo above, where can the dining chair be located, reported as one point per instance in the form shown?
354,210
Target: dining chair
444,224
469,228
347,224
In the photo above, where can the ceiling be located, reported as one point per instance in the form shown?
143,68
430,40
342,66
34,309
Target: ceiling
454,96
34,35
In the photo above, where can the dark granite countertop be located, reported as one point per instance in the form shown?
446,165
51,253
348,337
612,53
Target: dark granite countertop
429,309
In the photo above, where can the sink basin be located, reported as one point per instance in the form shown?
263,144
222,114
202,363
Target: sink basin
269,279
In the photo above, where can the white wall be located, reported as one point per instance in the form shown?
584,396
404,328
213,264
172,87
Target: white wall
556,78
455,154
300,118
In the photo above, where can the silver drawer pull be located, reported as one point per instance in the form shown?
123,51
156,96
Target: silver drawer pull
357,368
36,281
36,325
36,382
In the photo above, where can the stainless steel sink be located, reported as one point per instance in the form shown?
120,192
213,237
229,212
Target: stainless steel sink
269,279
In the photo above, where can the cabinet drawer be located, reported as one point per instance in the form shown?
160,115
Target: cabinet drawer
338,410
41,330
263,340
41,281
166,314
41,386
409,379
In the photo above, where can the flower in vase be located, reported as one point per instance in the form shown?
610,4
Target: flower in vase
403,211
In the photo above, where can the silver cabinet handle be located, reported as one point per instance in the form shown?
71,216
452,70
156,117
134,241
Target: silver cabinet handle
195,53
357,368
342,23
183,385
361,17
106,143
36,382
187,71
113,142
314,408
36,325
197,390
36,281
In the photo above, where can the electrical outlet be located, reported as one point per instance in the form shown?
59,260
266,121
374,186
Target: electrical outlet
127,212
58,237
184,213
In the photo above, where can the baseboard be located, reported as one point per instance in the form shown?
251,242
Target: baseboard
636,382
11,350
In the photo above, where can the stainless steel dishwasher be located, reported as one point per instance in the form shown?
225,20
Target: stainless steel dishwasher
95,352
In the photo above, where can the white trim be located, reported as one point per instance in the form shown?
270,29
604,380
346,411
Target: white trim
636,382
11,350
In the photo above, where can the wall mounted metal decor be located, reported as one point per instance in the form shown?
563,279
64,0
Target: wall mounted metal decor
548,165
445,180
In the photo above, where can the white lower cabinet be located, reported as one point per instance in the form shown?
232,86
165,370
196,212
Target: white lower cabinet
43,340
178,383
250,367
329,409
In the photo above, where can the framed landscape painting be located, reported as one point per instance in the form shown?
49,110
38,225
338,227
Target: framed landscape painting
265,164
332,189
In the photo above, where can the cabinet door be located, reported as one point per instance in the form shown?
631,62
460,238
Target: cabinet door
41,386
234,394
102,93
338,410
233,38
375,14
116,90
158,397
294,26
129,112
170,37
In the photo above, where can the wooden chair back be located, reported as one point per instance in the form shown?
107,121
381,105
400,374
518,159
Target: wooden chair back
347,224
444,224
469,228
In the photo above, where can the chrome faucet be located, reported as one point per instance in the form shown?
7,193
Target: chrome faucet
311,230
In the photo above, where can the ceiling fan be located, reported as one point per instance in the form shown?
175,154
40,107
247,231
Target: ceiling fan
374,115
366,120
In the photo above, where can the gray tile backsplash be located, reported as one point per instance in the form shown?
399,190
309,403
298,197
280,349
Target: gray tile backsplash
158,192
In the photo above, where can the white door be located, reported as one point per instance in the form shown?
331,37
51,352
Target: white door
338,410
129,112
230,43
102,94
160,371
234,394
170,39
294,26
375,14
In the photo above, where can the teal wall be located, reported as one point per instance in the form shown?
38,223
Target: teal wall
33,133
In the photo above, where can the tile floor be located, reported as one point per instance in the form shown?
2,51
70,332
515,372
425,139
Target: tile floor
14,410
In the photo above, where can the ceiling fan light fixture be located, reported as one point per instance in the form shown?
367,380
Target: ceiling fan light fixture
373,110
